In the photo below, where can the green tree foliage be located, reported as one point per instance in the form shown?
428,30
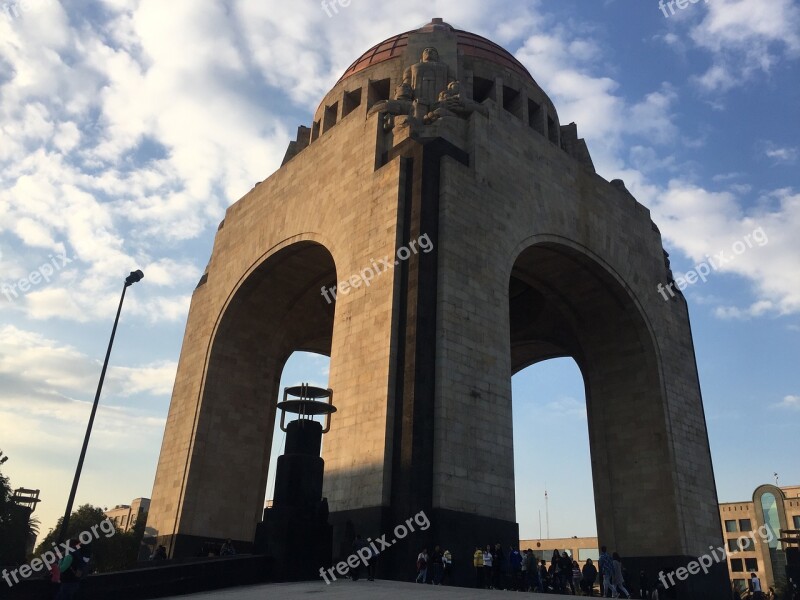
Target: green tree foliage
109,552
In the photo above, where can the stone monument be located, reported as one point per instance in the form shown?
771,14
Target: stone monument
442,135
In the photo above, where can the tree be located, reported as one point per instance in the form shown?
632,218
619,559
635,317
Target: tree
110,552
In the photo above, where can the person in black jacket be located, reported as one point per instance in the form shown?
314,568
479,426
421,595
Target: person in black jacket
565,572
589,577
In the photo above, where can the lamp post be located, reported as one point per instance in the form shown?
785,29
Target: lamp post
134,277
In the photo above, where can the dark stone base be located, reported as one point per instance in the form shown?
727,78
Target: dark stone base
715,585
182,546
457,532
298,542
157,582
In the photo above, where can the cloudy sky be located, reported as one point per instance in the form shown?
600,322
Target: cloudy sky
128,126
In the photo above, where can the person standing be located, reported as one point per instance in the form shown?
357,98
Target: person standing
543,579
576,577
617,580
515,567
499,568
70,572
422,566
488,564
358,544
589,576
477,562
436,561
644,586
607,573
525,570
447,564
565,572
755,587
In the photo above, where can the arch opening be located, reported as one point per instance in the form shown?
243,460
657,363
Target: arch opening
551,453
276,310
563,303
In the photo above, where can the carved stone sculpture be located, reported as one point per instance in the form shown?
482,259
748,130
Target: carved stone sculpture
429,92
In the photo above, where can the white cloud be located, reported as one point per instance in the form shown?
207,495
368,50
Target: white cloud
703,223
745,37
789,402
780,155
566,407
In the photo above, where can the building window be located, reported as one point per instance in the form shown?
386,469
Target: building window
740,585
730,526
584,553
751,564
736,565
770,507
733,545
796,519
745,544
744,525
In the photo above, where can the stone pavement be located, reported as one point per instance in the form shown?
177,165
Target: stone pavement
346,589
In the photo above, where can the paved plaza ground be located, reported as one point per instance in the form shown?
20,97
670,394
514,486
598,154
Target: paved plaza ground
346,589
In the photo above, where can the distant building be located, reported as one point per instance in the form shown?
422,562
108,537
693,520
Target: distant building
125,516
578,548
758,534
752,530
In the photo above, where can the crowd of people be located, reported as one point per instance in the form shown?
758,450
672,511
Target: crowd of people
524,571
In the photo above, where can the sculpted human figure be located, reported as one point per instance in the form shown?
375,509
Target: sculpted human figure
452,104
419,92
428,78
429,92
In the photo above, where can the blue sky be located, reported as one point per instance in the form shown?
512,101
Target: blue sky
127,127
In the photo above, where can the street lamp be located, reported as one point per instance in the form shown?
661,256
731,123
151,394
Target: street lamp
134,277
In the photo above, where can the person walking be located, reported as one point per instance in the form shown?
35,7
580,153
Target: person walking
477,562
422,566
607,573
589,576
488,564
617,580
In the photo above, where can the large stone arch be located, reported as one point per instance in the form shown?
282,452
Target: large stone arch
565,301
